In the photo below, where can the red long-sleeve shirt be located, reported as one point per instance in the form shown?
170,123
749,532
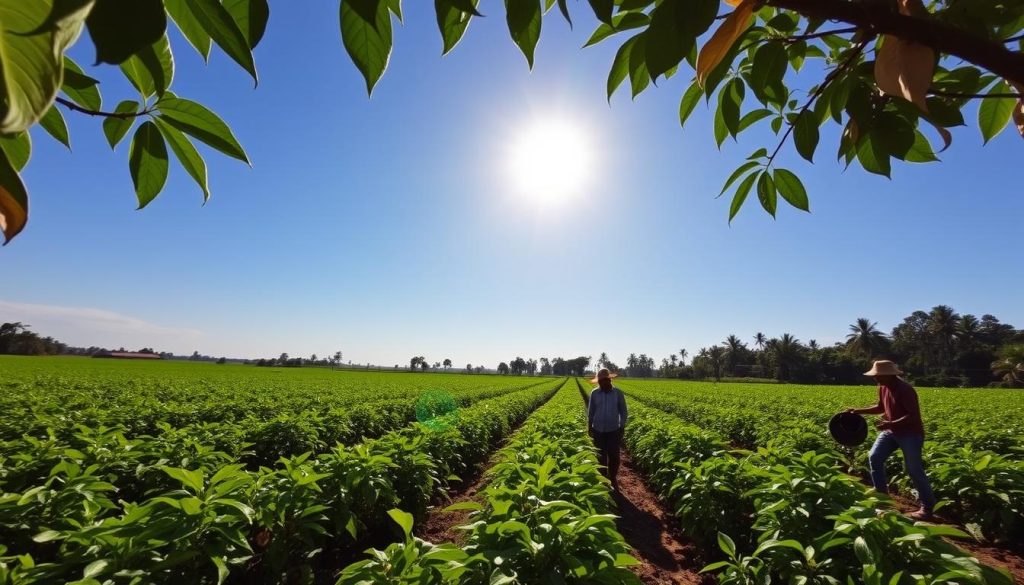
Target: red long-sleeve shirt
898,401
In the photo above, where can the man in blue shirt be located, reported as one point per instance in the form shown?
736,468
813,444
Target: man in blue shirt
606,422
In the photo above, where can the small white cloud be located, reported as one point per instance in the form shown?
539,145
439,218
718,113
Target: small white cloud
86,326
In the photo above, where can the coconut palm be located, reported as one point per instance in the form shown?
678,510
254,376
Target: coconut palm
813,345
1010,366
787,350
760,339
968,329
734,350
864,338
942,324
682,357
716,356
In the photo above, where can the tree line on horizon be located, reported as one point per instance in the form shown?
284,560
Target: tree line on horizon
939,347
934,348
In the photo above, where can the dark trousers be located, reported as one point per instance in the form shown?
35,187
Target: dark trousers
609,447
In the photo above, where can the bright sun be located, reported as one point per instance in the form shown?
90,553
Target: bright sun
550,161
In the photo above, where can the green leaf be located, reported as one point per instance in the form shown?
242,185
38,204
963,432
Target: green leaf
94,568
639,76
13,200
792,189
147,161
751,118
403,519
863,551
366,33
730,99
767,70
251,16
222,569
620,66
151,70
665,44
18,148
46,536
80,87
187,154
873,158
994,113
726,544
121,28
116,128
467,6
603,9
221,27
737,174
622,21
199,122
721,129
31,66
689,102
190,28
805,135
53,122
524,20
452,23
766,193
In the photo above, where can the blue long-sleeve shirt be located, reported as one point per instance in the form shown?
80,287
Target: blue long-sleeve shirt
606,410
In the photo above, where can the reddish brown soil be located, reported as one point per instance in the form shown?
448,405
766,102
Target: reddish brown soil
666,559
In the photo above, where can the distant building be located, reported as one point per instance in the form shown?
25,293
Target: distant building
127,355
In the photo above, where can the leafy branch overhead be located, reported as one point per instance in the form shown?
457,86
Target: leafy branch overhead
892,76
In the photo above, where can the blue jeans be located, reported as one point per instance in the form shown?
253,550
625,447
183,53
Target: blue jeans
911,445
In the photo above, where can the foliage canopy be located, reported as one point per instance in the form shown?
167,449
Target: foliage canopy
888,66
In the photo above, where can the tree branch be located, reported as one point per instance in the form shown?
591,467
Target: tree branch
817,93
818,35
940,36
120,115
1013,39
975,96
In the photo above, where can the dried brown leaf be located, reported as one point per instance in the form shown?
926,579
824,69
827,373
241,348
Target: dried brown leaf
717,47
905,69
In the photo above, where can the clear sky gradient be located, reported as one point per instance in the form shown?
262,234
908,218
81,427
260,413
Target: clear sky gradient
386,227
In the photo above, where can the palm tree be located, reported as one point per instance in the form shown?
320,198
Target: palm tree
942,323
760,340
1010,366
787,352
864,338
734,348
968,328
682,357
716,357
813,345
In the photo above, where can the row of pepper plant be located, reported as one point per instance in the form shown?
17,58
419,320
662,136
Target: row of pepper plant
981,488
780,514
546,516
171,509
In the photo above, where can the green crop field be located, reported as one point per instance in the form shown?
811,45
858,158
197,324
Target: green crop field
175,472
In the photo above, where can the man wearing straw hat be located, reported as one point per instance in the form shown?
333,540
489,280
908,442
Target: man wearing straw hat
606,421
902,429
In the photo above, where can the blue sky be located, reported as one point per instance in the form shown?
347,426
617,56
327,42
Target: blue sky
385,227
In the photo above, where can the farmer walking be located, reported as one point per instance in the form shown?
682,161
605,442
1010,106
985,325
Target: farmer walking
902,429
606,421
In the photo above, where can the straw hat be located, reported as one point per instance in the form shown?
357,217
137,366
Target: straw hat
603,373
883,368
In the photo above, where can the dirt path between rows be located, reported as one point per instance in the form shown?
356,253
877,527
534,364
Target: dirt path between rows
440,525
647,526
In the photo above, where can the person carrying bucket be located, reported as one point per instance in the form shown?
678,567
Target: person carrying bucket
901,428
606,422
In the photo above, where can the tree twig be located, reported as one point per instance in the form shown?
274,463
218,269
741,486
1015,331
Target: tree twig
818,35
120,115
817,93
974,96
1014,39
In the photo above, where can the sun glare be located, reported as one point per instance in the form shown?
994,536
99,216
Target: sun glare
550,161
